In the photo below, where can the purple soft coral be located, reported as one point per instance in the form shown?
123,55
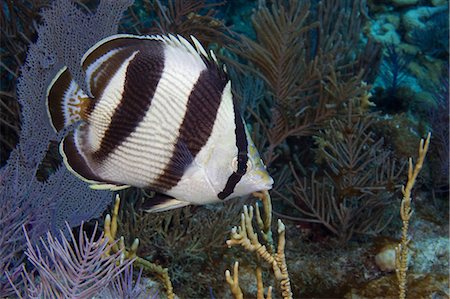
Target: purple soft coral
75,268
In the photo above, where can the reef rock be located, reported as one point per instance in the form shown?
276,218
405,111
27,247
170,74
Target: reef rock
404,2
416,18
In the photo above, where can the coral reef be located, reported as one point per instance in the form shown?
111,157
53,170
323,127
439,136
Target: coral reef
118,247
24,203
439,153
309,76
46,205
419,33
184,17
59,42
17,28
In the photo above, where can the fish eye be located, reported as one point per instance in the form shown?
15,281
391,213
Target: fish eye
249,165
234,165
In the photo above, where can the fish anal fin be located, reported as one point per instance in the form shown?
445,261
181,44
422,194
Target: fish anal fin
110,187
160,203
66,102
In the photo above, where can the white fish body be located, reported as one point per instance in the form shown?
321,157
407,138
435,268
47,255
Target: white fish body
160,114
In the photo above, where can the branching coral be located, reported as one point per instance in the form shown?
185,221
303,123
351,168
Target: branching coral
401,261
115,248
124,286
181,240
245,236
306,58
360,179
24,202
394,68
233,282
184,17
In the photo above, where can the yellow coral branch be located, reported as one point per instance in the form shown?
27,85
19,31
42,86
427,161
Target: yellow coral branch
266,224
245,236
233,282
401,258
260,286
110,231
281,261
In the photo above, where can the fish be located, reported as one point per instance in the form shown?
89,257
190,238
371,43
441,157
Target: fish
159,114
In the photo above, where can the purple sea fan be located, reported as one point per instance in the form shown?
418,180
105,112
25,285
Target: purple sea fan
64,35
17,191
75,268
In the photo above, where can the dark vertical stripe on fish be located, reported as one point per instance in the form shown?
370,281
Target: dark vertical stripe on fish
103,75
197,125
242,158
141,79
100,78
114,44
56,93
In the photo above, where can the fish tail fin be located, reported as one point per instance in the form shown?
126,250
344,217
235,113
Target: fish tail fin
66,102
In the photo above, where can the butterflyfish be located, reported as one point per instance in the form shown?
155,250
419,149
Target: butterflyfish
158,113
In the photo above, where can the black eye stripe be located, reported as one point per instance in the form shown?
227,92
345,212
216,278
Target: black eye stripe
242,158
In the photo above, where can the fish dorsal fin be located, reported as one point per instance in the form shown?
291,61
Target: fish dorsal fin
199,46
66,102
105,57
77,163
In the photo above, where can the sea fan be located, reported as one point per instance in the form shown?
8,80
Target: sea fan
75,268
65,34
23,204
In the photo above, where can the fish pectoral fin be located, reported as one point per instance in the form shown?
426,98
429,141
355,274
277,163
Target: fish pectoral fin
161,202
182,158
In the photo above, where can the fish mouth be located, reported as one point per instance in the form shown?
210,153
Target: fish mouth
268,186
269,183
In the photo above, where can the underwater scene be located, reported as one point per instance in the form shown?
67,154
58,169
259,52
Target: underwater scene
224,149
